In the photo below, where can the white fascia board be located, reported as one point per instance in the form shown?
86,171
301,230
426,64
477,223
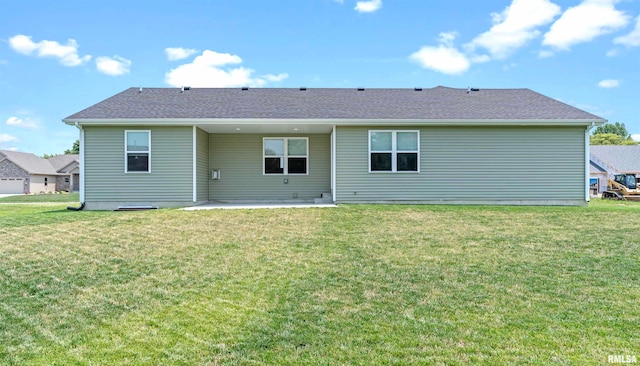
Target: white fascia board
332,122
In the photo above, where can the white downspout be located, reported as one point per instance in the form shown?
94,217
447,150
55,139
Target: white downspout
195,165
333,163
587,164
81,162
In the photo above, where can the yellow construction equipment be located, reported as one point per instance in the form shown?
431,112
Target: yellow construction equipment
622,187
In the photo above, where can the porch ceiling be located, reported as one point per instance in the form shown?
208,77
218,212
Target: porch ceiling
270,128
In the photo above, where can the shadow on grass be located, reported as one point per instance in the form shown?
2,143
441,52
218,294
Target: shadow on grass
16,215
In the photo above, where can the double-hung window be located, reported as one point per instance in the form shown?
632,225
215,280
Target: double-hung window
394,151
137,145
286,155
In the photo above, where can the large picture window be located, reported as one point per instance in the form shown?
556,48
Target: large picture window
137,145
394,151
287,155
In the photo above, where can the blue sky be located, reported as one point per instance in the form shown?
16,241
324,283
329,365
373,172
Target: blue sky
58,57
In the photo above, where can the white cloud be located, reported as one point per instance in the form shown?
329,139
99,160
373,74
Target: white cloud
635,137
7,138
514,27
178,53
368,6
632,39
21,122
609,83
545,54
584,22
212,69
447,38
113,66
612,53
444,58
275,78
478,59
67,54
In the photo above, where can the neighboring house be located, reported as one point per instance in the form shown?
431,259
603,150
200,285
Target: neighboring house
608,160
168,147
27,173
68,168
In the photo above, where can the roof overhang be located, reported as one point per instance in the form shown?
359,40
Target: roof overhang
267,125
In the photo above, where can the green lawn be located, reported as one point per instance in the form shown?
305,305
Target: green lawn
40,198
357,284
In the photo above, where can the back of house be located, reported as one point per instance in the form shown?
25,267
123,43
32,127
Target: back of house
172,147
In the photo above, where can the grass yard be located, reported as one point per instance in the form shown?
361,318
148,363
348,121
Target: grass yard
361,285
41,198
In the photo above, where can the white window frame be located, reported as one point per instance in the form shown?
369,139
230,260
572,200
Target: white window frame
285,157
127,152
394,152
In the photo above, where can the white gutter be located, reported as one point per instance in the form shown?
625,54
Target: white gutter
81,161
338,122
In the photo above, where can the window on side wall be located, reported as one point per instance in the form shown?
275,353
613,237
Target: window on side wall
286,155
394,151
137,145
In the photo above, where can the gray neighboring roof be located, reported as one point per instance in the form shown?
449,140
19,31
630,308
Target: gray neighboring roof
596,169
623,158
31,163
439,103
59,162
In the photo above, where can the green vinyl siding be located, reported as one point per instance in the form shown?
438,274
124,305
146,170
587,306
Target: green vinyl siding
239,158
469,164
171,174
202,165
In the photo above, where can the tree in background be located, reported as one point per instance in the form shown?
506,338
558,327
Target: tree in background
610,139
612,134
76,148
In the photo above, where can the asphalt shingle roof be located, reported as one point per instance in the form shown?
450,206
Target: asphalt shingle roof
439,103
31,163
62,161
623,158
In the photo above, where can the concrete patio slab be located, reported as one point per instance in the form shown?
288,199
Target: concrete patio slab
252,206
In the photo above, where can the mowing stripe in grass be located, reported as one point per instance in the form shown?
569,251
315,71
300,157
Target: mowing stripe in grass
353,285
